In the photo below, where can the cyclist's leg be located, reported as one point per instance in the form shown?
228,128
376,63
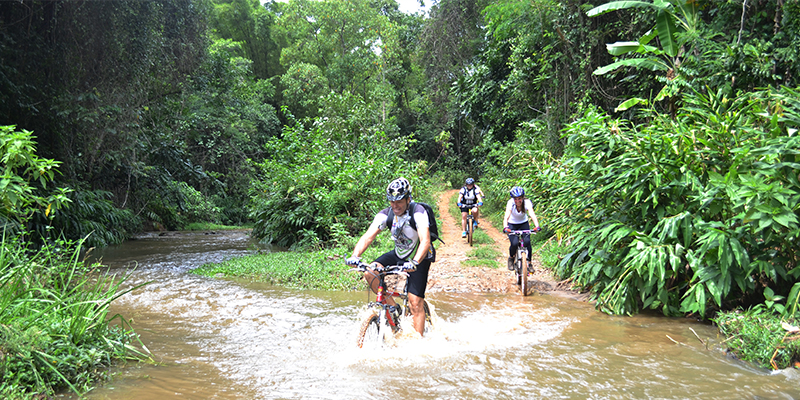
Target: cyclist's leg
513,242
417,283
475,214
463,220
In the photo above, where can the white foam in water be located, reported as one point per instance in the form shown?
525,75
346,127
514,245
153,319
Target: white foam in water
489,328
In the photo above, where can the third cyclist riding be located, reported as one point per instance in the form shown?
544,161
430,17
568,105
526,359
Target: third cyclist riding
469,197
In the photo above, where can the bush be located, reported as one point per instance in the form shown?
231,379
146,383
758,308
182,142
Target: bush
314,188
54,322
685,215
758,336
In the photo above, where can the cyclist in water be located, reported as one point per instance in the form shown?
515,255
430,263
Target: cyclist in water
412,248
518,211
469,197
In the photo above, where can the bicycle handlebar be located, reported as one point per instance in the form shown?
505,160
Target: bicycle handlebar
524,231
384,270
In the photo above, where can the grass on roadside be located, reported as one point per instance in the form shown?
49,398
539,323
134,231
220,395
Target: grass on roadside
483,253
323,269
550,253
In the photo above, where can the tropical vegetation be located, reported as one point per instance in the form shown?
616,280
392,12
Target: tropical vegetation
658,138
55,327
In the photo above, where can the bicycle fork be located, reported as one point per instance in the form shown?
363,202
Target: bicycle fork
385,316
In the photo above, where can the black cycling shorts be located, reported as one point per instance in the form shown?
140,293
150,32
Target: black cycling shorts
466,209
417,280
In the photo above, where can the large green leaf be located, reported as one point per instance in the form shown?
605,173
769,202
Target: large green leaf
649,63
665,25
618,5
620,48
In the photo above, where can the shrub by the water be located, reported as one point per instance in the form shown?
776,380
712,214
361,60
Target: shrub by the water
55,330
760,337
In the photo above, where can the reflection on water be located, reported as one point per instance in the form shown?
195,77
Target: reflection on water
222,339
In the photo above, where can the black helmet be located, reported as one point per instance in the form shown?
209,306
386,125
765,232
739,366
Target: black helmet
398,189
470,181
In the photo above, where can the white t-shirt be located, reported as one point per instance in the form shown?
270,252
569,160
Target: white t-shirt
518,217
406,239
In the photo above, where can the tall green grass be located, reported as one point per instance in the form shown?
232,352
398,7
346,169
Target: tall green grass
55,330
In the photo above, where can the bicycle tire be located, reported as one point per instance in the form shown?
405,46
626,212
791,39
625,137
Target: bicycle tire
370,331
470,229
524,286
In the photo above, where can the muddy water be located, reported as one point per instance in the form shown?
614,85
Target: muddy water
222,339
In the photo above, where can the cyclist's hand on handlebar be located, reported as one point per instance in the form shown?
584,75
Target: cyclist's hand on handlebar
353,261
537,229
410,266
459,205
506,229
480,203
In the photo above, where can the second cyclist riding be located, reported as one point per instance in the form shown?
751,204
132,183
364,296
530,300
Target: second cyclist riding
522,267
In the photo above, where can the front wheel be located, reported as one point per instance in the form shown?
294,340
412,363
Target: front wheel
470,229
524,285
370,331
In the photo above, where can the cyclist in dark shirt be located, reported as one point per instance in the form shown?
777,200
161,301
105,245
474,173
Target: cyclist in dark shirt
469,197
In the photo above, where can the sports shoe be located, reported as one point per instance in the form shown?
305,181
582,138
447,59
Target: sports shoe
464,234
510,263
530,267
475,224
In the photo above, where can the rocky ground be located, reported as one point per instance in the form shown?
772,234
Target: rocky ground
447,274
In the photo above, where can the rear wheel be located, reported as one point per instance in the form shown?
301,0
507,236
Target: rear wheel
370,332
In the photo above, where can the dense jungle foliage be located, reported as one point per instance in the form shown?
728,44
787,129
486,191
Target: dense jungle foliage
658,138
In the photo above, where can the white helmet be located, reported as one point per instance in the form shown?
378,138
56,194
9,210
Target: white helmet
398,189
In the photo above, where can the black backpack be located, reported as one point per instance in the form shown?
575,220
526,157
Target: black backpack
434,228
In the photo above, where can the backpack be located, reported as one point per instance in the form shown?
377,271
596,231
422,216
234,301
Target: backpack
434,228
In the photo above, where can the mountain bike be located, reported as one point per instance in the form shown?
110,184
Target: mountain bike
521,265
381,323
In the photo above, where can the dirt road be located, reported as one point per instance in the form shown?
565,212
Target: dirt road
447,274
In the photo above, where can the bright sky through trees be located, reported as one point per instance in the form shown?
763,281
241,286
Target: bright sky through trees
406,6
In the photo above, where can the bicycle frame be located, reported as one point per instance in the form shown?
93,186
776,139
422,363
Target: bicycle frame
382,292
376,323
470,226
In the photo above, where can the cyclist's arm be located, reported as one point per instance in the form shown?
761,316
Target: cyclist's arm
368,237
507,216
532,215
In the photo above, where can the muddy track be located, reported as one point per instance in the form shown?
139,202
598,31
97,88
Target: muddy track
448,275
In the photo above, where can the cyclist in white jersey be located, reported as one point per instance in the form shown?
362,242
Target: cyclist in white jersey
518,211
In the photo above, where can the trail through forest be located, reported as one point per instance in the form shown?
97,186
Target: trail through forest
448,275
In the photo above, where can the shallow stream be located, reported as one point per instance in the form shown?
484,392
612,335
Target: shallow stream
223,339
